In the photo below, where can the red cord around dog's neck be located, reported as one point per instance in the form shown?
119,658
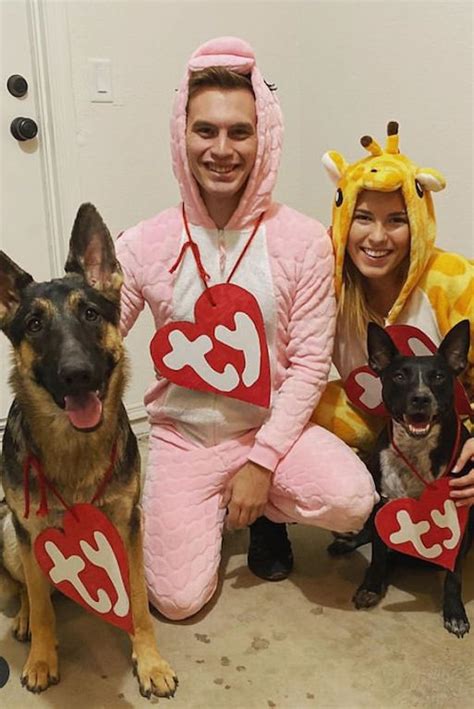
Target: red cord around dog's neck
44,484
412,467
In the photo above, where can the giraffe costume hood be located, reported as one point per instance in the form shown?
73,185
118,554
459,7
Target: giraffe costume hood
438,290
385,170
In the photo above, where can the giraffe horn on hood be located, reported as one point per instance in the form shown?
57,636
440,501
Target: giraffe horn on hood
391,145
371,145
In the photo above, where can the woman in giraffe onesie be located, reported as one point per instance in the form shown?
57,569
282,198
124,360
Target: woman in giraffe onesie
389,271
216,444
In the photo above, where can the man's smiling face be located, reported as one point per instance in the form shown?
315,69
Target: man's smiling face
221,143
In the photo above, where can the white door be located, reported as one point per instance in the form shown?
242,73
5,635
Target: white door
24,221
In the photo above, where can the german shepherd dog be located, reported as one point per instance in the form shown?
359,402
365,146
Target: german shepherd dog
418,393
69,373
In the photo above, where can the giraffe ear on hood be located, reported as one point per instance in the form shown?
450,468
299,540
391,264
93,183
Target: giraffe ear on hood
431,179
335,165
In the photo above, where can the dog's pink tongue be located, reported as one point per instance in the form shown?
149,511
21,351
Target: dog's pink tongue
83,410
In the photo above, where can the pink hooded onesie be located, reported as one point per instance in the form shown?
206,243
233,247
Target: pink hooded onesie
201,439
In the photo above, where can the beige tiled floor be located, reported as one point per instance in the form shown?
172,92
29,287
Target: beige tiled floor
291,645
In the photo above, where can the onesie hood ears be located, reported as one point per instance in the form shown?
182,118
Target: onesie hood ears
385,170
237,55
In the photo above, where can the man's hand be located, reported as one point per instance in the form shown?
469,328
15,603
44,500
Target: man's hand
463,488
246,495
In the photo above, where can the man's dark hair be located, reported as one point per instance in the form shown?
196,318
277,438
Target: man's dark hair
217,77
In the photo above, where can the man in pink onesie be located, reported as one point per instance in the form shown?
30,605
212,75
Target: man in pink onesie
215,451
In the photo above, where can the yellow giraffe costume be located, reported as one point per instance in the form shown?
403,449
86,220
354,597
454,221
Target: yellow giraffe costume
438,291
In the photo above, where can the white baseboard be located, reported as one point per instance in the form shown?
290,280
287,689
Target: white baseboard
138,420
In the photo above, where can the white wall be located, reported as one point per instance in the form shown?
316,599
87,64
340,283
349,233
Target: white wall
343,69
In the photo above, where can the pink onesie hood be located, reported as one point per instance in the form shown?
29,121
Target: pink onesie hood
237,55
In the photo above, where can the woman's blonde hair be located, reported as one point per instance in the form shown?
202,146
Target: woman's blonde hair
353,305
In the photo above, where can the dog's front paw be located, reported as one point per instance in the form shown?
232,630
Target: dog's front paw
155,676
367,598
457,624
40,672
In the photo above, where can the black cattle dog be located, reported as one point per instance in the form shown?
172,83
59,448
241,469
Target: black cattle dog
418,393
68,376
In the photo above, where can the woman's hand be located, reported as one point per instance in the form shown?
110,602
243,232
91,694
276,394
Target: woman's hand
246,495
463,488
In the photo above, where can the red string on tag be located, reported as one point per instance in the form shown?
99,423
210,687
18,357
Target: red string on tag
197,256
244,250
44,484
107,476
190,243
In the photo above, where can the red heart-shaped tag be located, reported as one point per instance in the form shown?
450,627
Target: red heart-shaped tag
430,528
224,351
363,387
87,562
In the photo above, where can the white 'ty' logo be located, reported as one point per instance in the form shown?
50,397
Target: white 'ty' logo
372,386
448,520
68,569
244,338
410,531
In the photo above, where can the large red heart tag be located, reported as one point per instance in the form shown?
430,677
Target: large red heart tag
430,528
363,386
87,561
224,351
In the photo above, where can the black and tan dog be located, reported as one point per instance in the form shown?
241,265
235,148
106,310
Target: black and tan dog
418,393
68,378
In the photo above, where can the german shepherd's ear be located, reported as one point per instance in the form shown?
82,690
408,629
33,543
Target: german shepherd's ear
380,347
13,280
92,253
455,347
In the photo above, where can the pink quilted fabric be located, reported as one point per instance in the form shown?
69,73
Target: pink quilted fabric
317,479
319,482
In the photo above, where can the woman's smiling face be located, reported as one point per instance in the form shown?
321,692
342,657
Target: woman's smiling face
379,237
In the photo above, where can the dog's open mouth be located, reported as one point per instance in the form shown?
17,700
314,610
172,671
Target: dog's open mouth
418,425
84,410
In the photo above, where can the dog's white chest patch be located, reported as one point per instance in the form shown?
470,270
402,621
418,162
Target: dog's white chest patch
397,480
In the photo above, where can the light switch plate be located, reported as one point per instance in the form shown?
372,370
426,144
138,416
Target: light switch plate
100,72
